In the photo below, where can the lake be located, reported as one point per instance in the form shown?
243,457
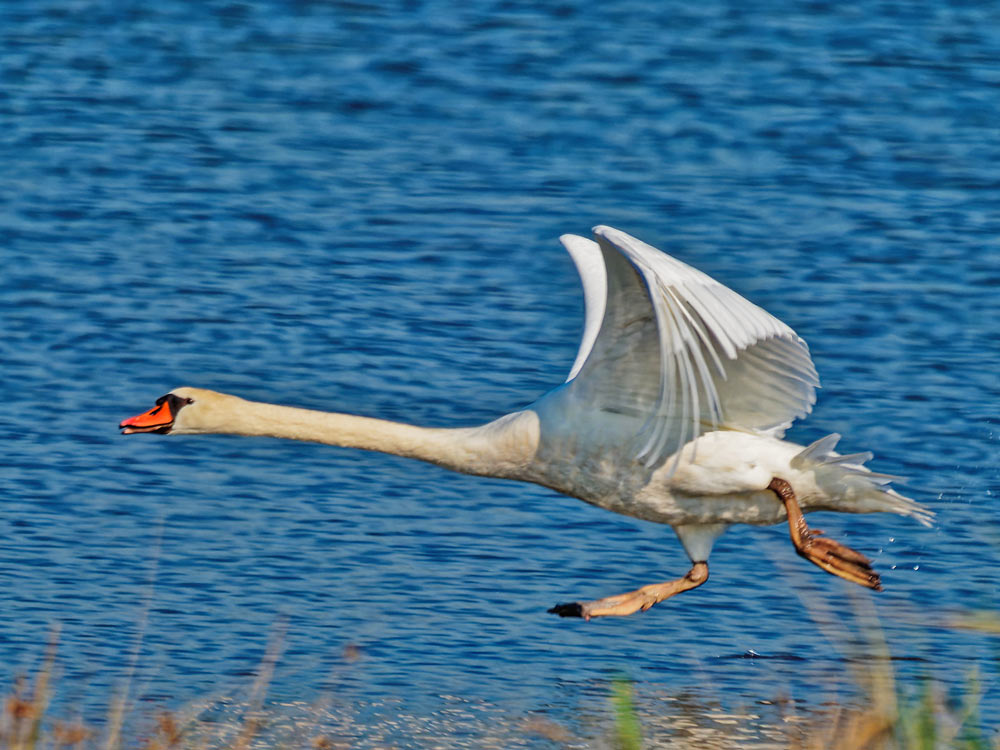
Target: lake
354,207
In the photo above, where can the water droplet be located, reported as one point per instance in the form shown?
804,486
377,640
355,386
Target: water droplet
916,567
892,539
893,567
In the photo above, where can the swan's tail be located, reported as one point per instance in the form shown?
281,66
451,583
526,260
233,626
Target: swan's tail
846,478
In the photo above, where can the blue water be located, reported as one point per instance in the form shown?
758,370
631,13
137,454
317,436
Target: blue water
355,207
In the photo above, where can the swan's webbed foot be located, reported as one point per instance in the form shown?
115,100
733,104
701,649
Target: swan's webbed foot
634,601
831,556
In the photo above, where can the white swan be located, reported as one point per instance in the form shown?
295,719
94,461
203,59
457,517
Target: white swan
672,412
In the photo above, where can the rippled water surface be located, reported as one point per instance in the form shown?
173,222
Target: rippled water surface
355,207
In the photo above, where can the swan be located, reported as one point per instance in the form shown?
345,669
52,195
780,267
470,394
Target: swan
673,412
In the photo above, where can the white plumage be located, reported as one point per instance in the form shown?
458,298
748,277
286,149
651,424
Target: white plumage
680,349
673,412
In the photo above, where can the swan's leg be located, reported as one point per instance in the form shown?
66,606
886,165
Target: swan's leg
831,556
633,601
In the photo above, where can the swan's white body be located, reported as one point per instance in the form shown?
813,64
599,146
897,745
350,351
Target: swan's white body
673,411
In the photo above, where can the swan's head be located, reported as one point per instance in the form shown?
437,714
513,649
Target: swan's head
183,410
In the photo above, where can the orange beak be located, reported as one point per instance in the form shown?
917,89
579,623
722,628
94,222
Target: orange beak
158,419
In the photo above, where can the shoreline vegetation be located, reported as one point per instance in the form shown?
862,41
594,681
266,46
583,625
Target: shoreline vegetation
884,716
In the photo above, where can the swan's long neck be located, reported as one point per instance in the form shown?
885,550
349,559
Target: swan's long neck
503,448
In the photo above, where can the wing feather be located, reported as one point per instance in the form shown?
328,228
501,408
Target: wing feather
589,262
679,352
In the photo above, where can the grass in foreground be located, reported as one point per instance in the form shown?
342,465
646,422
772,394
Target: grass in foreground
890,719
924,722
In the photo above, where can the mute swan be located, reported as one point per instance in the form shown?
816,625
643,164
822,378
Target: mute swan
673,412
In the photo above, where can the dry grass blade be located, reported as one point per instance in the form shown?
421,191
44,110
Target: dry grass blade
254,717
22,721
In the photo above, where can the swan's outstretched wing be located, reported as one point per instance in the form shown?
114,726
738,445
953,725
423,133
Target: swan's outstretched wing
679,352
